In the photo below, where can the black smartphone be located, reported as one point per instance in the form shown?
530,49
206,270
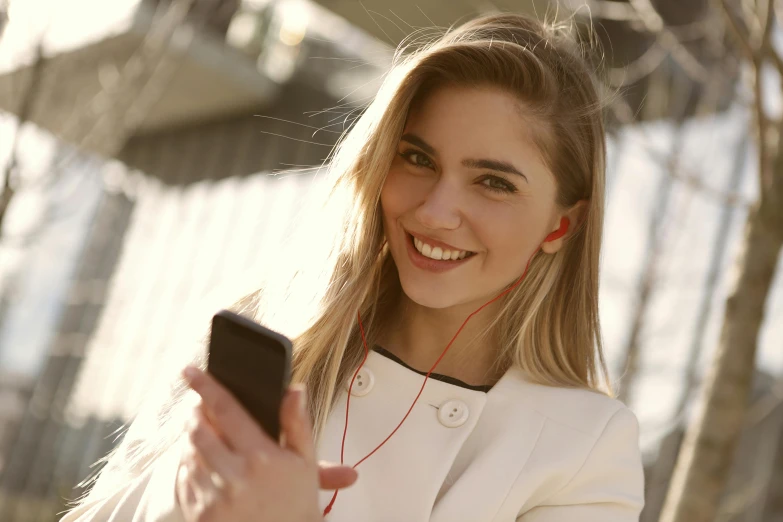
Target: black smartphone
253,363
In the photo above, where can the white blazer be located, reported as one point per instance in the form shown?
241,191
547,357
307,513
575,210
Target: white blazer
517,452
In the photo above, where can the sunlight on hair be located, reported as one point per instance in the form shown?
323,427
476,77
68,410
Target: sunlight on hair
305,259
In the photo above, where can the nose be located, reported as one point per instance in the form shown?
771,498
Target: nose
440,208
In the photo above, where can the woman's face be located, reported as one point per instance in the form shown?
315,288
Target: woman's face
467,178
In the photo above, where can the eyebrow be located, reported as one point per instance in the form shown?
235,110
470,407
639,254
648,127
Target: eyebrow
500,166
415,140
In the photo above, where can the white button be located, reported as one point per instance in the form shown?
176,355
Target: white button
363,383
453,413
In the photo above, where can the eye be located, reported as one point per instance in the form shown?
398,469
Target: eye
498,184
417,158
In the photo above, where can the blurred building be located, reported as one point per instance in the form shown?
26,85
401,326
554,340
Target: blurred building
179,199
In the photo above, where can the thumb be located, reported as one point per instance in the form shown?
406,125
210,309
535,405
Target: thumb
296,424
335,476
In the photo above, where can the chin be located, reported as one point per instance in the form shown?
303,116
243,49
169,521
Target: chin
423,296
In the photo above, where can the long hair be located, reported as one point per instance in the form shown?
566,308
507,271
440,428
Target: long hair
548,326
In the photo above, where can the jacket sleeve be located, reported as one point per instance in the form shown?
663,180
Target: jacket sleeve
609,487
150,497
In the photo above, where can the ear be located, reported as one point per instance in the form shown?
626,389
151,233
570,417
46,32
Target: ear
575,215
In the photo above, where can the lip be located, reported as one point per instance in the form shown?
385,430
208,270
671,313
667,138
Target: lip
434,242
431,265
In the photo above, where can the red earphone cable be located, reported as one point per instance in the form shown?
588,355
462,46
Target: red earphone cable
564,222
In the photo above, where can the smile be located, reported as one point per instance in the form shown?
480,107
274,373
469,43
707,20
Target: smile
423,256
437,252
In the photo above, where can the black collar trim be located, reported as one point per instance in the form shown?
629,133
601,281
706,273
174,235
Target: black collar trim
437,376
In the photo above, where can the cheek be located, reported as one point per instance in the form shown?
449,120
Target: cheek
396,195
508,234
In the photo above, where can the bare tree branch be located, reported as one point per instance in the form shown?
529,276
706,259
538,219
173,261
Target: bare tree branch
763,44
622,12
668,40
757,46
739,33
654,23
710,442
639,68
768,17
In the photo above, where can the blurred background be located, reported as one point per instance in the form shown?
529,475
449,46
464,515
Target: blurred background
154,153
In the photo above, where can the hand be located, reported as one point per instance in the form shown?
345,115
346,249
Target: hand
232,469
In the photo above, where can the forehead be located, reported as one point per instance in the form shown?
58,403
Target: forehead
476,122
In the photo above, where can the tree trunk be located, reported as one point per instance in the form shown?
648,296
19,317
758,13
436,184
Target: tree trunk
710,441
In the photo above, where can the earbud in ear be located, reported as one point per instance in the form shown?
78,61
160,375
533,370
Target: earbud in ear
560,232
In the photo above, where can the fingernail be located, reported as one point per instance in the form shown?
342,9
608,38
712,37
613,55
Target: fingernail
190,372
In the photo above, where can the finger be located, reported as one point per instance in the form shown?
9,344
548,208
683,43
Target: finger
240,429
212,450
204,490
186,494
335,476
295,422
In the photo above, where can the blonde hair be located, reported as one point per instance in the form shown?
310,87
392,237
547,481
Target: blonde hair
548,326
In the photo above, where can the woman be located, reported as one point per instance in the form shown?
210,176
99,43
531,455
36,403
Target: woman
477,182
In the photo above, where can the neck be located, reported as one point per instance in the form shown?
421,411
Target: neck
418,335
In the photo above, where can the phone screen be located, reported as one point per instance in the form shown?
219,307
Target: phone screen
253,363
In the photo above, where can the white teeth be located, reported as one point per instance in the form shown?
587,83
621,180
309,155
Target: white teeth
437,252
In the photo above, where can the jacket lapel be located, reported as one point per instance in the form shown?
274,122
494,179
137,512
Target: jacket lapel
498,447
402,479
429,471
